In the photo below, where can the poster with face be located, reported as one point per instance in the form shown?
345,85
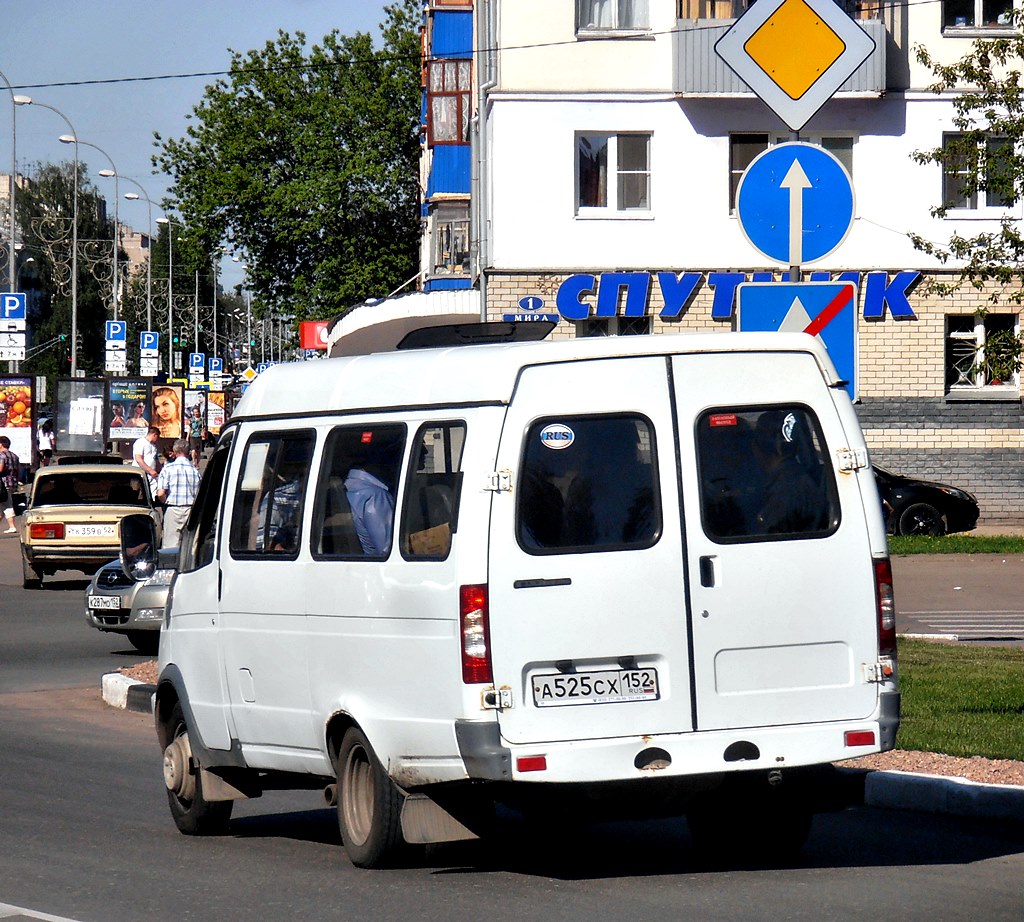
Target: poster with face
167,412
127,408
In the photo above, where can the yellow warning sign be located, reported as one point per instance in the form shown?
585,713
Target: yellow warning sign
794,47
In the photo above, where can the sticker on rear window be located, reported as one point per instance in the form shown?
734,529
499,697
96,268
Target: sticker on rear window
557,436
722,419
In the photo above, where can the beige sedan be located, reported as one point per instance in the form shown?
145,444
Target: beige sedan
71,521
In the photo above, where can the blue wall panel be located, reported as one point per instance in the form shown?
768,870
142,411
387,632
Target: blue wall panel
450,169
452,34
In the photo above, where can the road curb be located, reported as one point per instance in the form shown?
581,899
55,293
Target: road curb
119,691
944,794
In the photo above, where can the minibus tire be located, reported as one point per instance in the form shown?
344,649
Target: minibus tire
198,816
369,805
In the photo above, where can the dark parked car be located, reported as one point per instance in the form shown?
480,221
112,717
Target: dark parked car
921,507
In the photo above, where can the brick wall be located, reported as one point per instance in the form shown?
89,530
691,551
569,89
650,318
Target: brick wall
911,425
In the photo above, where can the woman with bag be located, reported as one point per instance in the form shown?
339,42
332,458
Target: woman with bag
10,468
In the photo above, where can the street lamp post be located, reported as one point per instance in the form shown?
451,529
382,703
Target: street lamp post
12,264
134,196
67,139
170,293
106,174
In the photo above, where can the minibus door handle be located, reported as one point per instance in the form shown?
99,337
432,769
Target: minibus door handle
707,571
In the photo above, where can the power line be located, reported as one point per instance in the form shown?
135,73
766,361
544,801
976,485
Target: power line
306,65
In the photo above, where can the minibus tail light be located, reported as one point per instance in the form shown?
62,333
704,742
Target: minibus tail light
476,653
886,602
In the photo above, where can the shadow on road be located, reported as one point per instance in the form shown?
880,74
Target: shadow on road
856,838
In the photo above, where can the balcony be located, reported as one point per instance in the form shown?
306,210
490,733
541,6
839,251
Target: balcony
701,72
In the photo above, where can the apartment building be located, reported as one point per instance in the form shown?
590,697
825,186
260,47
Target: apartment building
603,142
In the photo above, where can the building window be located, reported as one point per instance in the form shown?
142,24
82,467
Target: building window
613,326
977,14
744,147
625,187
448,88
450,228
612,15
982,351
989,160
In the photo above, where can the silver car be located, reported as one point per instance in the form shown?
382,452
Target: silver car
118,603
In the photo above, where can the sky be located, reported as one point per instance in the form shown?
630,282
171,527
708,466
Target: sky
69,41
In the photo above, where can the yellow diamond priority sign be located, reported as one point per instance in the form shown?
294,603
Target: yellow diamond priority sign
795,54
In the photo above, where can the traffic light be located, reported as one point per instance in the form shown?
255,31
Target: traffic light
176,340
63,336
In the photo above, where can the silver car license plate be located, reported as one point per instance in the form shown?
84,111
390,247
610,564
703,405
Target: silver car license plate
104,602
605,687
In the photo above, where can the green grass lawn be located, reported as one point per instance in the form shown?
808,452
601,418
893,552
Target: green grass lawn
962,700
956,544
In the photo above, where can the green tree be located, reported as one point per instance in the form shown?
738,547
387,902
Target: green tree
45,208
308,164
987,156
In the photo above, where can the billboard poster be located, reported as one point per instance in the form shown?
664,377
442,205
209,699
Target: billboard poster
127,408
195,409
167,412
215,414
80,426
16,414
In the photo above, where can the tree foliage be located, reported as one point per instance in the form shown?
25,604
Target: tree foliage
307,163
988,156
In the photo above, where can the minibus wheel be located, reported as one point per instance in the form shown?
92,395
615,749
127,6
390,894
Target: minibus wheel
369,805
193,814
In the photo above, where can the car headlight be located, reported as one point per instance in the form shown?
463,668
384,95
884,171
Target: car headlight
957,494
161,578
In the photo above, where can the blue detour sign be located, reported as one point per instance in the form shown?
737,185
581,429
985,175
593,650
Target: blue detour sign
795,203
827,310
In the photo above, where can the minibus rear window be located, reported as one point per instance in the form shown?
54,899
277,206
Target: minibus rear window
588,483
765,475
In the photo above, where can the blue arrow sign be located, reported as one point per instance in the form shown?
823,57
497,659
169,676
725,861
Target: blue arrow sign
12,306
827,310
795,203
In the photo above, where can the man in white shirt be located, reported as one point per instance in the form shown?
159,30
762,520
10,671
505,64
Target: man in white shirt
144,455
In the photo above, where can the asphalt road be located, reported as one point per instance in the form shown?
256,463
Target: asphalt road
85,833
974,597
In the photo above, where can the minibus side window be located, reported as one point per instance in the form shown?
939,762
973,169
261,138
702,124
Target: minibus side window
355,502
267,515
588,483
765,475
199,537
430,507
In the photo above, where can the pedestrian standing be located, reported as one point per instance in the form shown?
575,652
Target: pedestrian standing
195,433
45,442
144,455
10,469
177,487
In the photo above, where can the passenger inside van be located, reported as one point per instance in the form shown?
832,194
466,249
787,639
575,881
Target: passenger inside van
370,497
791,487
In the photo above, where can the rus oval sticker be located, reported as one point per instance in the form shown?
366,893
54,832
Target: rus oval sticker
557,436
